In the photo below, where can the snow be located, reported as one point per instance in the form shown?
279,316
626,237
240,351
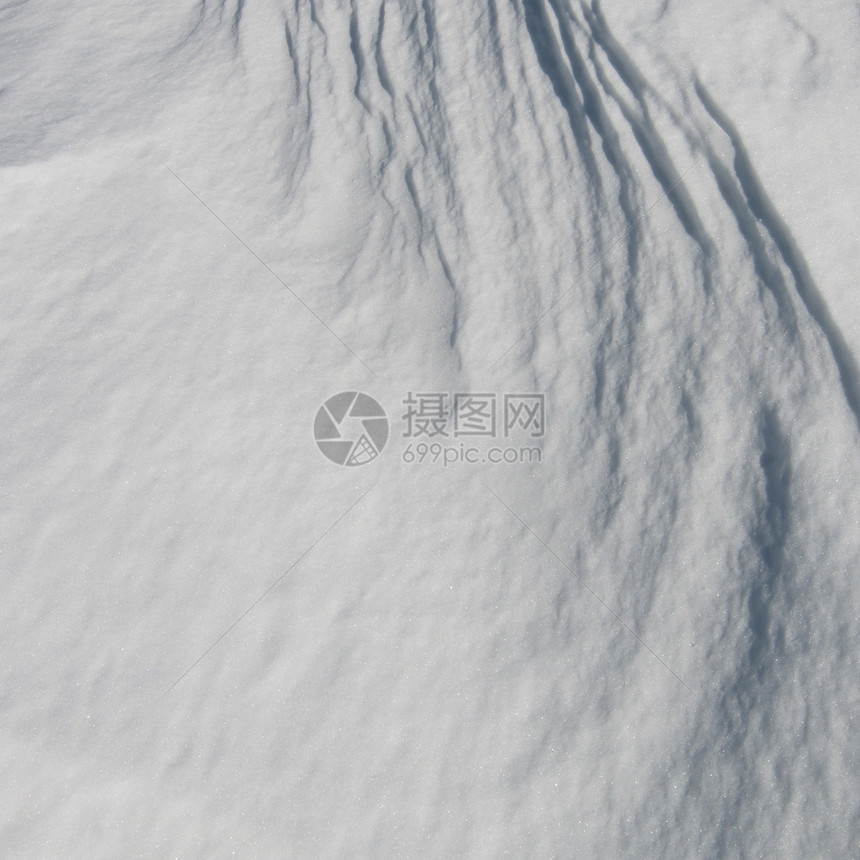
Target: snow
216,642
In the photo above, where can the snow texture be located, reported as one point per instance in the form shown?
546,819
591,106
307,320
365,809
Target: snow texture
216,215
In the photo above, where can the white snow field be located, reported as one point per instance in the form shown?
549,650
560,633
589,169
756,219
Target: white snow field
216,642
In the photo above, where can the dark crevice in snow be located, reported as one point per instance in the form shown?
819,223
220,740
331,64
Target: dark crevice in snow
381,69
770,535
768,272
552,62
312,8
647,136
577,92
596,113
455,310
656,154
621,61
763,209
357,56
389,144
409,180
291,51
236,23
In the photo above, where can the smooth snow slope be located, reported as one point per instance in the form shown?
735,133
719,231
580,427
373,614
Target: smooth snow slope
215,642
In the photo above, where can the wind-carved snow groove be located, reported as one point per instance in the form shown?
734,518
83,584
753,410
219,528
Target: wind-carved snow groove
291,51
409,180
430,123
770,535
422,178
552,62
764,211
495,41
302,100
585,93
315,20
449,277
620,59
236,23
575,88
595,112
563,66
578,94
749,203
381,69
9,8
642,126
751,694
357,56
220,9
769,274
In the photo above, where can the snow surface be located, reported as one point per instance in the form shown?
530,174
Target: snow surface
217,643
